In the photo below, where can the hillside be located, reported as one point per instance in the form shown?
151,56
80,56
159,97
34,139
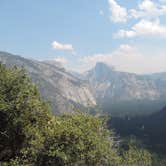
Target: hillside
115,92
118,91
149,129
56,85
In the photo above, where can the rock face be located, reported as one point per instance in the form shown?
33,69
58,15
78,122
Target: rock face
114,89
62,89
120,85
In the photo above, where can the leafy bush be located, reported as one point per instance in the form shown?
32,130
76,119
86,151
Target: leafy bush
31,136
136,157
23,115
80,139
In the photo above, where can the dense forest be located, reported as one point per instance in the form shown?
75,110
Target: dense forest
31,135
149,130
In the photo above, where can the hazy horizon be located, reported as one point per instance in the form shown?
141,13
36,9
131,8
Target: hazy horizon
128,35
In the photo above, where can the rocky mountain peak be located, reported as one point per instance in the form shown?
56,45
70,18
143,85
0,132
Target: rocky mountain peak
103,67
63,90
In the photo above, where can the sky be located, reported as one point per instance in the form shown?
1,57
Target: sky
129,35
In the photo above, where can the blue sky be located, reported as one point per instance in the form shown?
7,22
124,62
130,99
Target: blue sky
130,35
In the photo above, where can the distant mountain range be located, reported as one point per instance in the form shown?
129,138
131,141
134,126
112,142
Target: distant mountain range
58,86
114,91
119,92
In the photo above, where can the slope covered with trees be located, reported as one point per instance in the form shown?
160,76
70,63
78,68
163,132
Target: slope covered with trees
31,135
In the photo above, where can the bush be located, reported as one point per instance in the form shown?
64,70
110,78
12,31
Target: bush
23,115
31,136
136,157
80,139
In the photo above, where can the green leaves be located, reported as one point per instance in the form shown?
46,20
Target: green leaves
79,138
31,135
136,157
23,114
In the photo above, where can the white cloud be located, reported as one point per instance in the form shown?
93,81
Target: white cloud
148,12
147,5
126,48
58,46
118,13
61,60
144,28
126,58
122,59
146,9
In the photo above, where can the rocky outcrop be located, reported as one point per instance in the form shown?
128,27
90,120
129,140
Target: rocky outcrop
58,86
123,89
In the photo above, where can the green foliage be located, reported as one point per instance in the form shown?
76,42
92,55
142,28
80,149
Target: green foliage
159,160
78,139
136,157
31,136
133,153
23,115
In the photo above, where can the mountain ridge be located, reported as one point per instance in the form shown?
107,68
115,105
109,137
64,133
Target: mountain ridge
117,90
56,85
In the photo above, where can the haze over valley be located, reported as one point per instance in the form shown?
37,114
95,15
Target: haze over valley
114,92
83,83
